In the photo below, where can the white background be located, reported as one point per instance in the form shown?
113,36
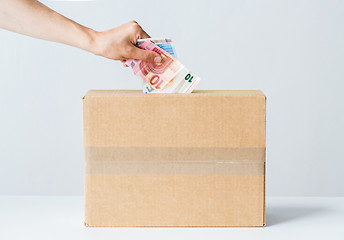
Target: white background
292,50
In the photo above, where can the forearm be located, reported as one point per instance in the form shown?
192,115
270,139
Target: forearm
32,18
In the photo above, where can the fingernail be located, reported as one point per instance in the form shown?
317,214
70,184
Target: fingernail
157,59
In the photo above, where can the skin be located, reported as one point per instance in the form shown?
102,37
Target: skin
32,18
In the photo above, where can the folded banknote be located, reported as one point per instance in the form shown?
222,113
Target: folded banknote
169,76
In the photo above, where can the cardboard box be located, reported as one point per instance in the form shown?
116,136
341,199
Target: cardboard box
174,159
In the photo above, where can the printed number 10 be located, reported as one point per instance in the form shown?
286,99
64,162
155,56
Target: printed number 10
188,77
156,82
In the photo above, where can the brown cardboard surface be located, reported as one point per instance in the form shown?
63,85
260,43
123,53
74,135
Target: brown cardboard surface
174,200
174,159
174,120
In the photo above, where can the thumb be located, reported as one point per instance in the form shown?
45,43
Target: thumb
145,55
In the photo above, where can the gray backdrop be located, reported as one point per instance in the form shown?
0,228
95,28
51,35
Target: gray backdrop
292,50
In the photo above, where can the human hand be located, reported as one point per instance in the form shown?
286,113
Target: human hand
119,44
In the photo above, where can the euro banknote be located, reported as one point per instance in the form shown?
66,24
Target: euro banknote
169,76
164,43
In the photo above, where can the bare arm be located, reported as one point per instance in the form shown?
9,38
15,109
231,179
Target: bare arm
32,18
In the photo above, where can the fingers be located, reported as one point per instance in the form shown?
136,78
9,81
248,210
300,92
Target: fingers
144,55
131,51
144,34
139,33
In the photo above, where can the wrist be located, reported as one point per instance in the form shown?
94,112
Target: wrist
90,42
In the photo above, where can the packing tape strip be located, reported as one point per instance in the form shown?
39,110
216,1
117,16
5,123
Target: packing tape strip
150,160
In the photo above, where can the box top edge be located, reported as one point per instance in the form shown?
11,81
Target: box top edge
106,93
